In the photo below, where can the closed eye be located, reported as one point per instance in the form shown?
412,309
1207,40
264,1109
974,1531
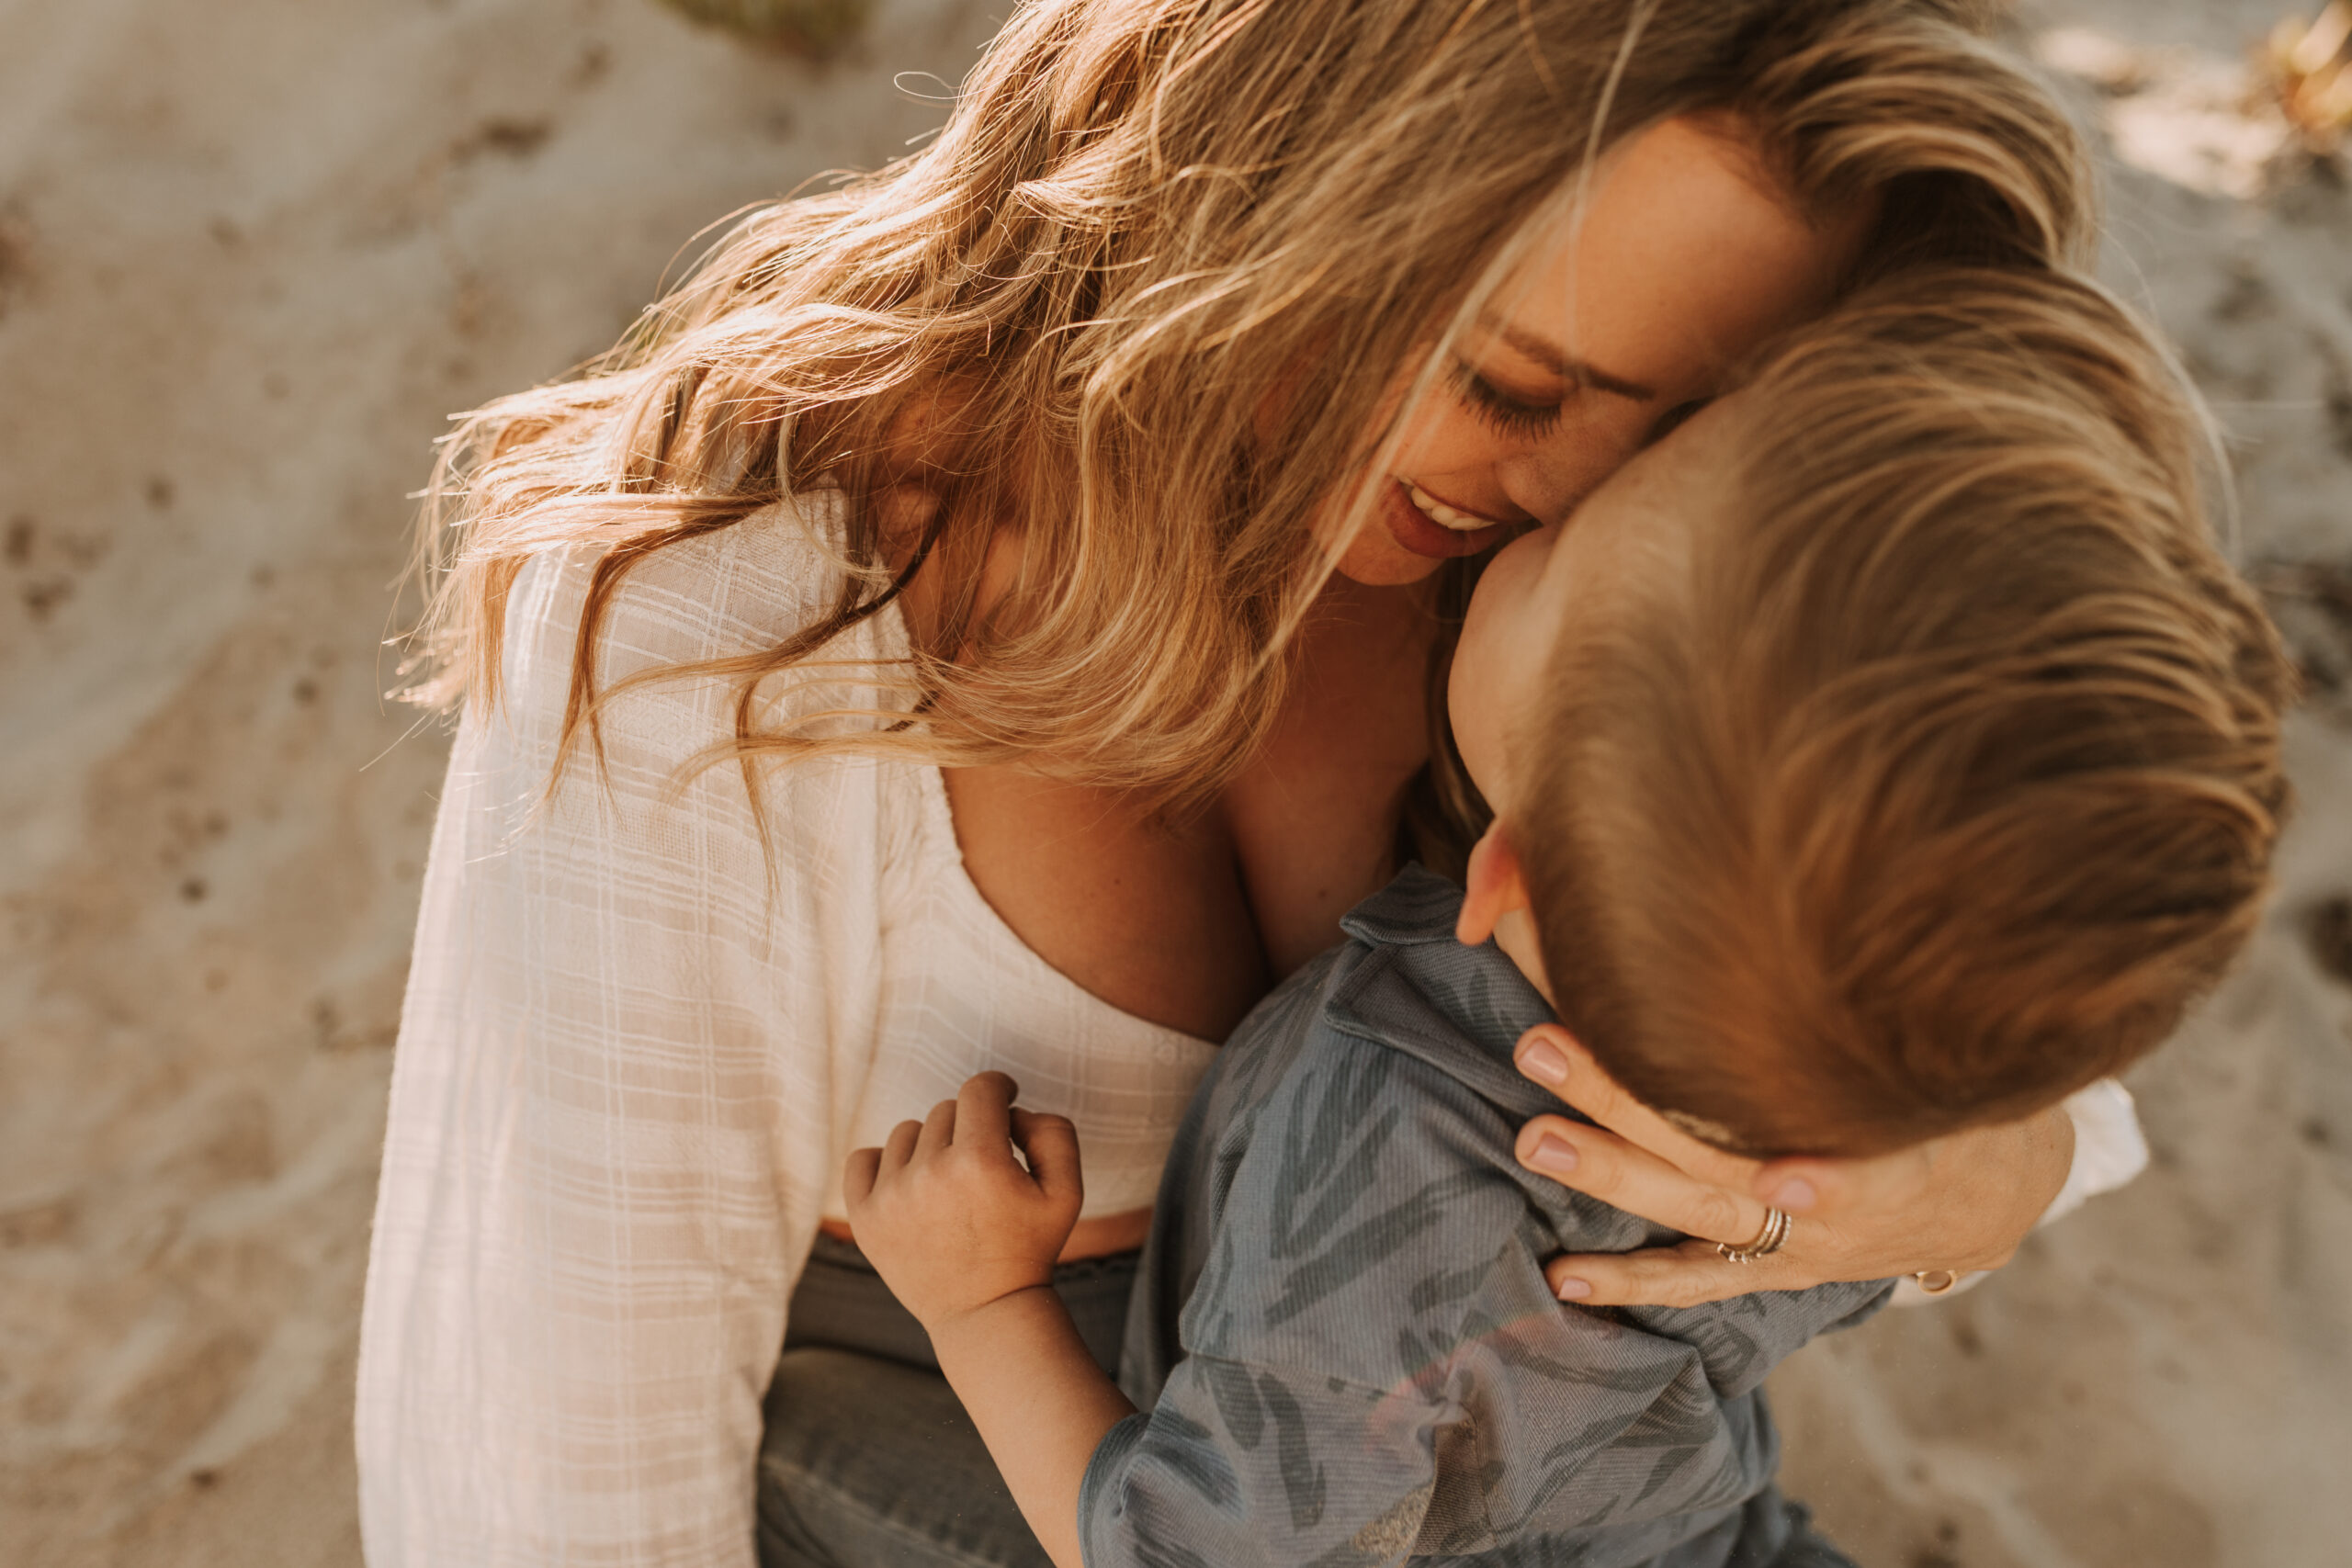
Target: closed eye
1506,414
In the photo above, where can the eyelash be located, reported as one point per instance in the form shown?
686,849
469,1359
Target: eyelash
1505,415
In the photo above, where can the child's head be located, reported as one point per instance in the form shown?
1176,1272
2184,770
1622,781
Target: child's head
1889,750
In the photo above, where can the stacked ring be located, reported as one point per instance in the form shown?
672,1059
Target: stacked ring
1767,1240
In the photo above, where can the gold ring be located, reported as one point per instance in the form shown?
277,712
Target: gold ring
1936,1281
1767,1240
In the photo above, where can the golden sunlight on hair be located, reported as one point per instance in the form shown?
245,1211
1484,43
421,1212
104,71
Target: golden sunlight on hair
1061,320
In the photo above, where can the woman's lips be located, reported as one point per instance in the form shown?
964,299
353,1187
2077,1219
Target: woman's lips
1413,530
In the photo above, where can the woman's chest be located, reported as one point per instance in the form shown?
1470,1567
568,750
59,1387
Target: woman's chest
1188,923
960,991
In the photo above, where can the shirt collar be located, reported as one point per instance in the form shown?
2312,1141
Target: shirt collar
1418,906
1461,1010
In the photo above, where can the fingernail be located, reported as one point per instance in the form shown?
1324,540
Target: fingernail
1555,1155
1574,1290
1794,1194
1540,1060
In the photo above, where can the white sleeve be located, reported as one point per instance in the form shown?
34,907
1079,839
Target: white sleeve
2109,1152
2109,1148
628,1053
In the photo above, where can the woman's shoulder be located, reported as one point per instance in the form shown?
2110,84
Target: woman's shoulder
734,592
646,788
731,590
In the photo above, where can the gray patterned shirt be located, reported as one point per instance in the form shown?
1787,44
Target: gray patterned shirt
1341,1341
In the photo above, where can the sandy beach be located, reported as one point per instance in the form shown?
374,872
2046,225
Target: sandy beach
253,253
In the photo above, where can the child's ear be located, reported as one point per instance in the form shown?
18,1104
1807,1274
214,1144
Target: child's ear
1497,887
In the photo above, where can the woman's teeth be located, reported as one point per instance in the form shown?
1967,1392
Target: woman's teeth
1441,515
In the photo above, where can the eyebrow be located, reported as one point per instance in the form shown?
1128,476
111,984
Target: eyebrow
1552,357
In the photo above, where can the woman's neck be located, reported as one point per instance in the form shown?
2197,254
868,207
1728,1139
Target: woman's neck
1314,815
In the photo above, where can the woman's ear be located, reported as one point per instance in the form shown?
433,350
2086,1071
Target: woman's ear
1497,887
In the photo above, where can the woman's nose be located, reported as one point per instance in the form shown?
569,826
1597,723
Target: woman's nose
1547,481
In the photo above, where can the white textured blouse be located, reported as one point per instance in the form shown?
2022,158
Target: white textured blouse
636,1050
638,1045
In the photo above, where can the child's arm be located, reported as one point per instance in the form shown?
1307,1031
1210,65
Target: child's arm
1246,1465
967,1239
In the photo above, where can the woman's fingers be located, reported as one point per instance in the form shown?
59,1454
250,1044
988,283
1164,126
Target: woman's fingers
1550,1056
1901,1181
1598,1163
1672,1276
1829,1186
1050,1146
1958,1203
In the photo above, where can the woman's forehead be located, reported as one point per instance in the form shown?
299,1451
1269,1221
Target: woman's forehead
1681,258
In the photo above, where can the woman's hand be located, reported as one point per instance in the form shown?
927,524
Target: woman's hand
1957,1203
947,1215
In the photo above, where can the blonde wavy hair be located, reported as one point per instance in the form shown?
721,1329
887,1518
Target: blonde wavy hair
1948,774
1142,300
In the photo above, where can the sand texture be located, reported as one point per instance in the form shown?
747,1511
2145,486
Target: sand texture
252,252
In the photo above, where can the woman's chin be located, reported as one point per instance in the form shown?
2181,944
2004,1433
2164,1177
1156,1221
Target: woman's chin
1372,560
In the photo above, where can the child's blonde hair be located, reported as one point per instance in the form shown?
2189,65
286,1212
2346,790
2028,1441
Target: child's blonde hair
1141,300
1948,774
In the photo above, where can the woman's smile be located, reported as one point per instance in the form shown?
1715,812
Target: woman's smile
1446,517
1424,525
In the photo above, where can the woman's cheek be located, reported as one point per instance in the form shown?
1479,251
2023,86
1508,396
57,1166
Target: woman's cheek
1439,438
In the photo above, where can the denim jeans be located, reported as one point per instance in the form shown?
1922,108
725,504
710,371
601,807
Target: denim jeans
869,1460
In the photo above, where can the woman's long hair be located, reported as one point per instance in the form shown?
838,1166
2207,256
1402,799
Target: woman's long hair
1144,300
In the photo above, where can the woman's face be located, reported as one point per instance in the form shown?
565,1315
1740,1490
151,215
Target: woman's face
1687,259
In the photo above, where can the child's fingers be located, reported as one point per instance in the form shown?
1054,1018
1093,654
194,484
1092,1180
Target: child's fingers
899,1147
984,1111
1050,1146
938,1129
858,1174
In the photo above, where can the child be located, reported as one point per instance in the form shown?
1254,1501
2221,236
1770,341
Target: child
1887,753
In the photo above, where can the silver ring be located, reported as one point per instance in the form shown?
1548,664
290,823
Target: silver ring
1768,1241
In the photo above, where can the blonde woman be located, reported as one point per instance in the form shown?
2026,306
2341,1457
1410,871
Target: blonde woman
990,618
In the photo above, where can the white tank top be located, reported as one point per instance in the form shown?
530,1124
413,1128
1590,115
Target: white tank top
962,993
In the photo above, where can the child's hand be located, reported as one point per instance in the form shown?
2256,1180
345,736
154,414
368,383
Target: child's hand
947,1214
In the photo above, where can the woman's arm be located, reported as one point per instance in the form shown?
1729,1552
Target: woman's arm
612,1118
2109,1151
1955,1205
